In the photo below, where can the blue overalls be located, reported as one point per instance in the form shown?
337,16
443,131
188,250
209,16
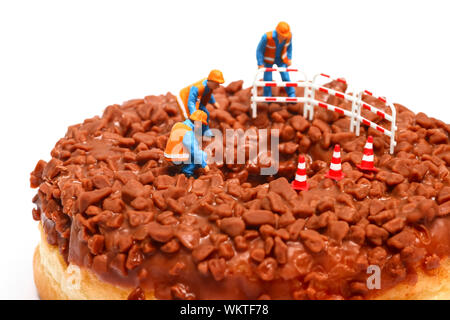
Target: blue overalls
268,75
198,157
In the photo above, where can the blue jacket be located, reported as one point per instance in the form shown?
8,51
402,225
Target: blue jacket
193,96
198,156
262,47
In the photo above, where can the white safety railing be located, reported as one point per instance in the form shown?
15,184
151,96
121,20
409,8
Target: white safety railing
309,101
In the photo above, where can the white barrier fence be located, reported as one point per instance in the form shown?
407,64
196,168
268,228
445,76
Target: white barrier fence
309,100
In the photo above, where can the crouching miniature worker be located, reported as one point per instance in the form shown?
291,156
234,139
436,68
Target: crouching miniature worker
275,47
196,96
183,147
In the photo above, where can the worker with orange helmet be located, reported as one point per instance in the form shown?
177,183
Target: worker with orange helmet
183,147
196,96
275,47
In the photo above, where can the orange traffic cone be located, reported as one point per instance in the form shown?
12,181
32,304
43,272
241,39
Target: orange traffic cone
335,171
367,160
300,183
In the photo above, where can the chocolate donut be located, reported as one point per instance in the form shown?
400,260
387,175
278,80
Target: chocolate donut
118,221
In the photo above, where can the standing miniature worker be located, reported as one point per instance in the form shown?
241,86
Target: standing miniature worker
183,147
275,47
196,96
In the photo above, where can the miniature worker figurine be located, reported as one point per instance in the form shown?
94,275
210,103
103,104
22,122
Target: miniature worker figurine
275,47
183,147
199,94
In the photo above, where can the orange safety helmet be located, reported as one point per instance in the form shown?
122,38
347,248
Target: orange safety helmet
283,29
199,115
216,76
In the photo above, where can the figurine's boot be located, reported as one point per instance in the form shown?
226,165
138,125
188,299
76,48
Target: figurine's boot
207,132
188,169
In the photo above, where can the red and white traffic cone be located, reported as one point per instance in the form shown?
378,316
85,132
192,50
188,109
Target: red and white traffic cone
300,183
367,160
335,171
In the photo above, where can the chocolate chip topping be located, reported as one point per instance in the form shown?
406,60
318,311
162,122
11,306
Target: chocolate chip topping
111,203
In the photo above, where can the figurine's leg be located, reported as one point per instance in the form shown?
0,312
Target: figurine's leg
205,128
289,90
267,77
205,110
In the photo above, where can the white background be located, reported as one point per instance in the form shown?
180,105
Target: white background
62,62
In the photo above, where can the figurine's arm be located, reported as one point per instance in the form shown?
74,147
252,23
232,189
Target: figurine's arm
260,50
212,100
192,99
289,52
197,155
